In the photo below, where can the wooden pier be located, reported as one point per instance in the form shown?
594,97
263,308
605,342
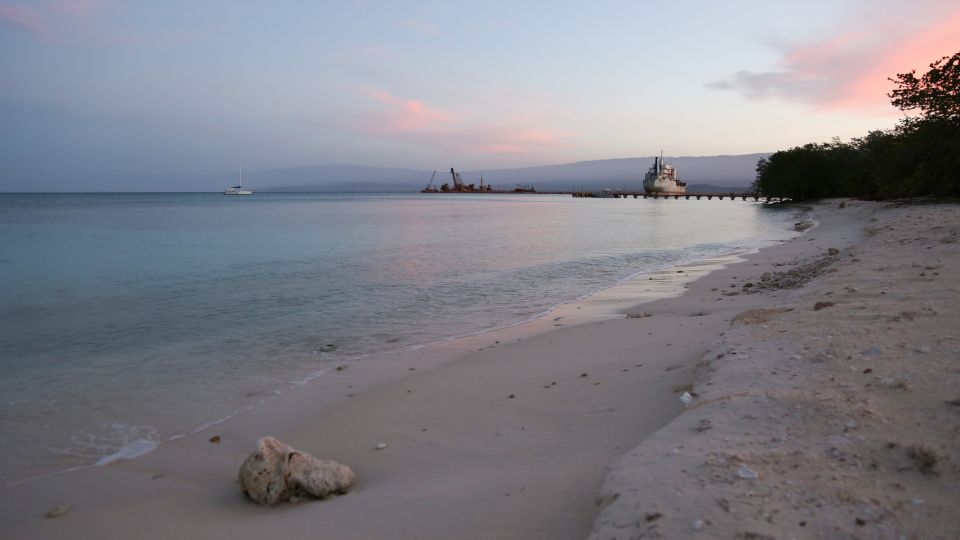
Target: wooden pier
709,196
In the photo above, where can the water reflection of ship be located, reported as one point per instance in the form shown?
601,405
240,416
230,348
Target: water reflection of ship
459,186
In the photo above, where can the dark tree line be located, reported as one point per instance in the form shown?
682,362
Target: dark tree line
919,157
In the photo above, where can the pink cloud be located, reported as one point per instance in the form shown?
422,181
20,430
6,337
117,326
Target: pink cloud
25,17
850,70
407,115
50,15
413,121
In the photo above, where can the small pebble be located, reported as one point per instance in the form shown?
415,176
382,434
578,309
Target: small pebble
697,524
747,473
57,511
215,439
381,446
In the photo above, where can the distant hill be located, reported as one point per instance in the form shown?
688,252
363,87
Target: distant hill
727,171
713,173
709,173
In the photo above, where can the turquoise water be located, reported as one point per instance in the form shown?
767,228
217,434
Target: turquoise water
128,319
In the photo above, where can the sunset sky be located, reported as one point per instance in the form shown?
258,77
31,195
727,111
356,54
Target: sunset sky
107,86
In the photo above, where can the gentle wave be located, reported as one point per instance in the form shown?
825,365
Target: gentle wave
177,311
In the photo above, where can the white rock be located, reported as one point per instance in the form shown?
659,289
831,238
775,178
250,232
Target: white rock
686,398
747,473
697,524
381,446
276,473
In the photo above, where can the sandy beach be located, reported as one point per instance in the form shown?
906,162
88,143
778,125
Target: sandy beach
824,382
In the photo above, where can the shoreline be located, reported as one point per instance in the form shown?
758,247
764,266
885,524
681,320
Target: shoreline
610,302
466,407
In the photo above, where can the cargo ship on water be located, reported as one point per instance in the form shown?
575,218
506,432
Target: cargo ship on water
459,186
662,178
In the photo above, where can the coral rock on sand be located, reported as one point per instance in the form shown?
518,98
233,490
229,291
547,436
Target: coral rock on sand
276,472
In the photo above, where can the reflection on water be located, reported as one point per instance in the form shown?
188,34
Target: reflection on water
141,316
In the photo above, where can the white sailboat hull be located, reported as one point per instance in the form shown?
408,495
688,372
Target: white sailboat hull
238,189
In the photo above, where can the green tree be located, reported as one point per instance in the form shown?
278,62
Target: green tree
936,94
920,157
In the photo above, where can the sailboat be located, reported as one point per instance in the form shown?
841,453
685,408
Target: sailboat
238,190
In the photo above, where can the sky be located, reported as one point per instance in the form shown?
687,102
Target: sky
90,88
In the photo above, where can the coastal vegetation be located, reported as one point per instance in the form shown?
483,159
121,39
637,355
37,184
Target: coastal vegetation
918,157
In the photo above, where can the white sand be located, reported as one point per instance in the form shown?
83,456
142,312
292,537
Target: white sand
848,415
464,459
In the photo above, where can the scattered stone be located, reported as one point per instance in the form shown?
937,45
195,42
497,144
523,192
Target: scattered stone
697,524
703,425
686,398
757,316
215,439
898,384
340,368
158,476
833,251
747,473
821,305
640,315
380,446
276,472
57,511
922,350
924,459
583,375
511,396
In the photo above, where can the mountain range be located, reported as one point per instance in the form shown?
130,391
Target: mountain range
702,173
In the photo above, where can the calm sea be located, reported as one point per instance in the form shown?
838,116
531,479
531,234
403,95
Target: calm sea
128,319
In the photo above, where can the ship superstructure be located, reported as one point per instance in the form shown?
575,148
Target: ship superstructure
662,178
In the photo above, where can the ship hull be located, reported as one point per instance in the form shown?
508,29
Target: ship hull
663,186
